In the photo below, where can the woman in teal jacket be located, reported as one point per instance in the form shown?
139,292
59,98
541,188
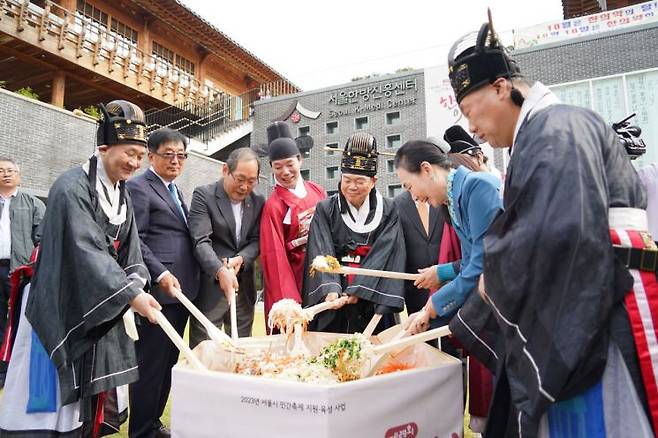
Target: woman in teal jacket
473,201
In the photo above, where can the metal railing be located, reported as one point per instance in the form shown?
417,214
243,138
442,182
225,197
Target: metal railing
203,122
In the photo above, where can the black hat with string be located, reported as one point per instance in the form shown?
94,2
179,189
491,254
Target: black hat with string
478,59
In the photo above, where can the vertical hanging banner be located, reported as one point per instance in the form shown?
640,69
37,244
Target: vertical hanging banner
441,107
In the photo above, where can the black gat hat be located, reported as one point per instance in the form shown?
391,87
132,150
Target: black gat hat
477,59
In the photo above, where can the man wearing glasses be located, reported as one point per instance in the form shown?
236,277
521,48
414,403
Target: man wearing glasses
161,216
224,224
20,216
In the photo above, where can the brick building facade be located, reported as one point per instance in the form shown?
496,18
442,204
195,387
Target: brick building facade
391,107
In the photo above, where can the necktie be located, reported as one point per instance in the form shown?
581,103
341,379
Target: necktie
424,213
174,196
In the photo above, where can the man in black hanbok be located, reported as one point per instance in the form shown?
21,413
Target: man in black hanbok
554,325
72,345
360,228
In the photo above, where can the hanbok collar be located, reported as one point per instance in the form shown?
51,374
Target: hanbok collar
538,98
109,195
357,219
299,190
451,197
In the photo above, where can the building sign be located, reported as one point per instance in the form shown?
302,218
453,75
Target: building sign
295,112
552,32
376,97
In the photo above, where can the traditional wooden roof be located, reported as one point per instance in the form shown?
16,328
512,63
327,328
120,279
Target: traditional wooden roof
189,23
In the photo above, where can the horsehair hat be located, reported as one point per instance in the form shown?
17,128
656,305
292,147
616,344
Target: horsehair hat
472,64
459,140
122,122
281,143
360,155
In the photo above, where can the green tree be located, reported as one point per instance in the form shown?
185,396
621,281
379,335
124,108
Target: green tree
27,92
93,111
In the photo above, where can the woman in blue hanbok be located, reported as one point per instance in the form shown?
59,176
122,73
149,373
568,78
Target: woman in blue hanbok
473,200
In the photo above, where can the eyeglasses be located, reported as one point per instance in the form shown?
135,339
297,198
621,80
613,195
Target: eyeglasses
241,180
7,172
170,156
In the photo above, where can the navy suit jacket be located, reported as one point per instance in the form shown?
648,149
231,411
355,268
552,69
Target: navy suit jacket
164,236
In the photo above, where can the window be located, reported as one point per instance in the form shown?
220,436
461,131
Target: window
91,12
394,190
361,123
304,130
333,146
393,118
163,54
331,172
305,173
93,20
390,166
393,141
171,59
184,64
332,127
126,35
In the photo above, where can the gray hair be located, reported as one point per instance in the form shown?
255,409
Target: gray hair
241,154
12,161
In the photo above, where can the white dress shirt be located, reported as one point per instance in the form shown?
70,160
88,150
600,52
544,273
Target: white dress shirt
237,215
5,228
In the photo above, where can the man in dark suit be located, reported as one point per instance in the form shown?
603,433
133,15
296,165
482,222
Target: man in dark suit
224,223
161,216
422,226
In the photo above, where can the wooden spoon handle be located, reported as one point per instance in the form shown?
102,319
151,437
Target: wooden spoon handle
347,270
171,332
326,305
411,340
372,325
213,332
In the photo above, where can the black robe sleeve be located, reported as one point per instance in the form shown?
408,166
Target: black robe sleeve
79,290
387,253
549,265
320,243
